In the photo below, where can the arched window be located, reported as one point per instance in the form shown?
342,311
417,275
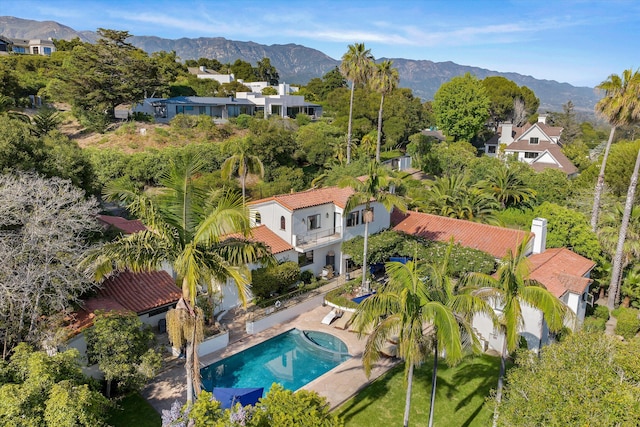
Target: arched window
258,218
283,223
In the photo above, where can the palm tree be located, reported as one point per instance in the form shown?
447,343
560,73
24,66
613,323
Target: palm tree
384,80
186,228
374,188
356,66
620,106
464,304
614,286
609,235
506,187
508,291
451,196
404,311
241,164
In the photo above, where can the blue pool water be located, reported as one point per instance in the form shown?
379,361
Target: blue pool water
293,359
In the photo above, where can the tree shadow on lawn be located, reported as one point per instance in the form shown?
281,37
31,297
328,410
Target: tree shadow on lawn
482,370
374,390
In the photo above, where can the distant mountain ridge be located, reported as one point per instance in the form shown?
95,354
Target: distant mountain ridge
298,64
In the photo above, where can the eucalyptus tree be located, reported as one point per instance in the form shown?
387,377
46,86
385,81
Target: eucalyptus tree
356,65
188,227
509,289
241,163
620,106
384,80
375,187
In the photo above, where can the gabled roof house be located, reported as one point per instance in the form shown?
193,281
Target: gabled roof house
537,144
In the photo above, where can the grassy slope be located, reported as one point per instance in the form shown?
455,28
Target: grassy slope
134,410
460,397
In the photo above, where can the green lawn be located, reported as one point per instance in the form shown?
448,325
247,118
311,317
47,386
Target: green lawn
460,396
134,410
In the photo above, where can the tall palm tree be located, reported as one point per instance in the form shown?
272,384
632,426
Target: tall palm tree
620,106
614,286
609,235
241,164
375,187
404,311
506,187
384,80
356,66
508,290
186,228
464,304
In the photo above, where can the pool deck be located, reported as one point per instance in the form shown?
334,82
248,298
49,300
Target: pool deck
337,385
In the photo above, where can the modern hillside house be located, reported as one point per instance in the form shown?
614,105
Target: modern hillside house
25,46
537,144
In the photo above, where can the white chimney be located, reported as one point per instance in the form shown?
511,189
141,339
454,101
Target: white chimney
542,119
506,137
539,230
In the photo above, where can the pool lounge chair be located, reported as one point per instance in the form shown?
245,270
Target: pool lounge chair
333,314
344,321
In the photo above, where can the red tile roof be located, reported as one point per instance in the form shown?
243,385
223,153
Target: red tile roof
561,270
487,238
309,198
266,236
127,291
271,239
127,226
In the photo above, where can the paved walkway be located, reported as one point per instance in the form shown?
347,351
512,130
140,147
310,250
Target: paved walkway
337,385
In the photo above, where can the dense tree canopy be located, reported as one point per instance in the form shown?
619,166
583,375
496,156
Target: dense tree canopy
508,101
461,107
587,379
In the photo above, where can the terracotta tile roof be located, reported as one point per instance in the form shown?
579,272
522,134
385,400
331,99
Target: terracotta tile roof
561,270
266,236
309,198
127,226
271,239
487,238
127,291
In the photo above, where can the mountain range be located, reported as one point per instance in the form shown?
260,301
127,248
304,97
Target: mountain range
298,64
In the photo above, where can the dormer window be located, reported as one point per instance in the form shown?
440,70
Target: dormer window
534,141
283,223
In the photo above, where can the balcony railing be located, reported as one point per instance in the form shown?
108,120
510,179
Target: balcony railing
319,238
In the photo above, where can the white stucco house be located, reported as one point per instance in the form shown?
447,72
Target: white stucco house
315,224
563,272
537,144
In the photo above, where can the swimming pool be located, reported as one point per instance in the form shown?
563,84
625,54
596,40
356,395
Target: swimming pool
293,359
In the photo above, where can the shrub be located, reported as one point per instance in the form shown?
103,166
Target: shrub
594,324
628,323
306,276
243,121
337,297
601,312
139,116
274,280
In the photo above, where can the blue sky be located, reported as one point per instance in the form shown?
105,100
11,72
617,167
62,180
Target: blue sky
580,42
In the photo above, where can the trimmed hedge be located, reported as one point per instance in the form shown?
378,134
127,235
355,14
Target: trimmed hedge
601,312
267,281
390,243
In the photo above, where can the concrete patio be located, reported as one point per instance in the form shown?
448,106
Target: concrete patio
337,385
